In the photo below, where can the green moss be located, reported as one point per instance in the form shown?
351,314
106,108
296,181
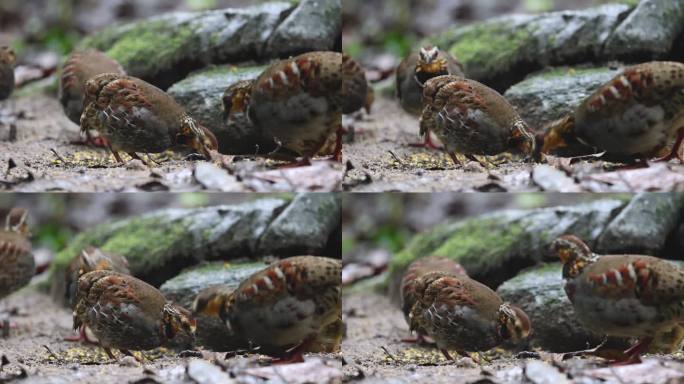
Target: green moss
481,242
154,42
142,240
488,44
145,44
422,245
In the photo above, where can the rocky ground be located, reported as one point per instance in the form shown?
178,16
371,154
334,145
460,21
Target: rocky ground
35,352
39,152
381,159
508,250
181,251
374,353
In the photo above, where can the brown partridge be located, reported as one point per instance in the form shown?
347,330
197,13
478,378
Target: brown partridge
412,74
80,67
473,119
135,116
410,278
90,259
356,92
622,295
462,314
7,59
636,115
128,314
17,265
292,305
298,103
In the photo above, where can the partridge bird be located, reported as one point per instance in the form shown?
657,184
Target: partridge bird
412,74
414,271
17,265
298,103
633,116
293,305
472,119
128,314
463,314
622,295
90,259
80,67
135,116
356,93
6,72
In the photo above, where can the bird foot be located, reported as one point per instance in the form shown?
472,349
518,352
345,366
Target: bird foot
418,339
675,152
82,336
428,144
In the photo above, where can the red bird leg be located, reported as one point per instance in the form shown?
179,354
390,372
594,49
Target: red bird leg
337,155
295,354
427,143
675,149
82,336
634,352
418,339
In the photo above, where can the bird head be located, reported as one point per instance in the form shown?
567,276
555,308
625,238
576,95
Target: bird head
236,98
178,320
573,253
429,61
513,323
196,137
16,222
215,301
7,55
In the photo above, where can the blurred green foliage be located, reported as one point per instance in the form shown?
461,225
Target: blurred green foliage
52,235
58,39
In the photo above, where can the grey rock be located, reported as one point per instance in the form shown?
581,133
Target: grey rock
160,244
201,93
182,289
315,25
544,97
204,372
494,247
649,31
644,225
539,292
164,49
501,51
305,226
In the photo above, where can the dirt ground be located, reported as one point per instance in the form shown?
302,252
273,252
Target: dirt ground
380,159
38,153
35,352
374,353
